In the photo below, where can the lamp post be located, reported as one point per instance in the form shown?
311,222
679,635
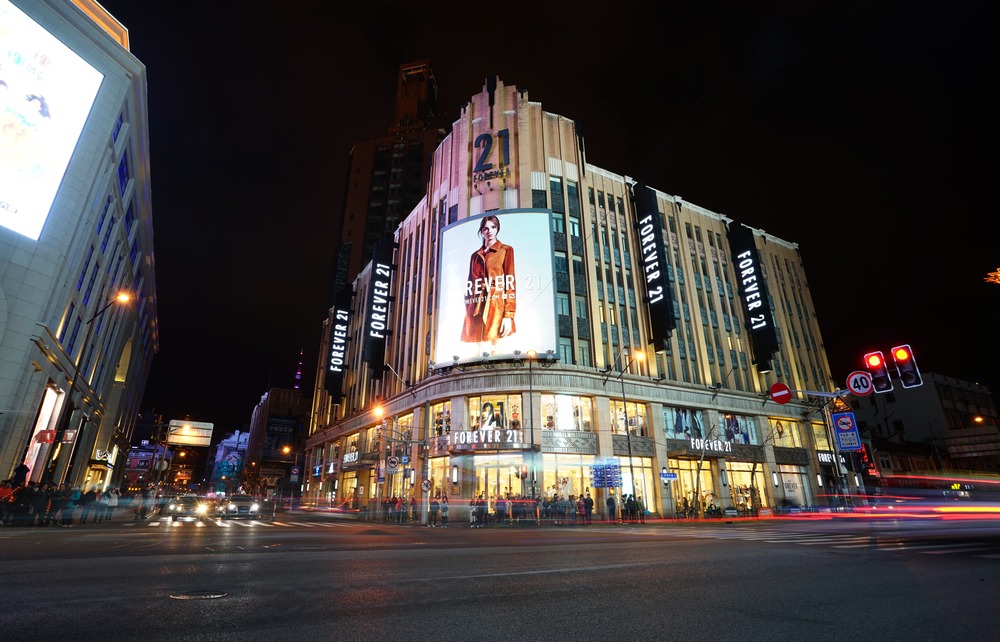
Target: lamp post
288,450
531,421
628,435
62,424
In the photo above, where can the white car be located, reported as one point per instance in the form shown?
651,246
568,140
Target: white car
240,506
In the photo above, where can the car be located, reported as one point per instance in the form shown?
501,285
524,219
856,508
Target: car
186,508
237,506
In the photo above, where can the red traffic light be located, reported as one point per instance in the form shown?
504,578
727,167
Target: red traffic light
906,366
875,363
873,359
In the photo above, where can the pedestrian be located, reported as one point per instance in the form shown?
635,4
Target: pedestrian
40,504
20,475
111,504
588,508
444,512
70,506
413,509
612,510
581,510
400,509
642,510
57,499
391,515
21,502
432,517
5,492
87,504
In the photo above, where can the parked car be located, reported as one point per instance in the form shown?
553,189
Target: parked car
237,506
188,508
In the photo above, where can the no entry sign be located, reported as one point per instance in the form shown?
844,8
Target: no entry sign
780,393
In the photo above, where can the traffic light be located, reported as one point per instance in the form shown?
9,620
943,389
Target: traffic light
906,366
875,363
524,472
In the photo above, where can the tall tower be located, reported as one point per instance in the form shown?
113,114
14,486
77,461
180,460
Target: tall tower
388,174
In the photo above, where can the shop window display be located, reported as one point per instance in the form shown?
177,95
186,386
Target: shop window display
566,412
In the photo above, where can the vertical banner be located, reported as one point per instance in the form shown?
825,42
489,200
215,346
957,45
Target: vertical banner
377,308
336,357
659,296
754,299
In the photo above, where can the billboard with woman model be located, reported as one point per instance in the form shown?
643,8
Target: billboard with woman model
496,290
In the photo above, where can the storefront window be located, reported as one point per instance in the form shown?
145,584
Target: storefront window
786,433
683,423
819,436
694,486
492,411
566,475
748,490
442,418
565,412
630,413
440,468
738,429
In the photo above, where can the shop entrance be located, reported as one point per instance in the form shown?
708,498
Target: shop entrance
498,476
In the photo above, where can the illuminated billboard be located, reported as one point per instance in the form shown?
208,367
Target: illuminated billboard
46,92
495,290
189,433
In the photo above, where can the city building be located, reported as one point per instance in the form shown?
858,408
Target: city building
78,315
944,424
275,447
537,326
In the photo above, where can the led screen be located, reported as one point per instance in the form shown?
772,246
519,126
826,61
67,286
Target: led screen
46,92
478,291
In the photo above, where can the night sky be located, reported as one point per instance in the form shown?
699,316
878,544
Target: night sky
863,131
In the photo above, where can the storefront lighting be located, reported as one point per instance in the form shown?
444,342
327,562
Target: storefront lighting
774,478
857,481
722,477
819,479
413,476
454,474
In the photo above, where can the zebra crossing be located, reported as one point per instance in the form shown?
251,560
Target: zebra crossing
882,543
249,523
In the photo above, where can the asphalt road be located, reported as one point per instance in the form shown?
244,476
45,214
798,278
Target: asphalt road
311,578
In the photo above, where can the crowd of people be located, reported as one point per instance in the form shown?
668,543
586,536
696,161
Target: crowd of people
59,505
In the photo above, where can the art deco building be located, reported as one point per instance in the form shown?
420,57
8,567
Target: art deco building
540,326
75,231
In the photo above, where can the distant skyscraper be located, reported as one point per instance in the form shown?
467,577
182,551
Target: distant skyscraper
388,174
298,373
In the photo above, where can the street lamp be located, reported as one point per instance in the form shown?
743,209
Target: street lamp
62,422
531,421
287,450
639,356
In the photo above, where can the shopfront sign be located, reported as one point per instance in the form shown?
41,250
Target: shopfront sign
496,438
712,445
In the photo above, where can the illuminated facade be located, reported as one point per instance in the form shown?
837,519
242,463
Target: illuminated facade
637,359
75,229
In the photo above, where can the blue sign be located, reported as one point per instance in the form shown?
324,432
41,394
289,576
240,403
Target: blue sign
846,429
668,476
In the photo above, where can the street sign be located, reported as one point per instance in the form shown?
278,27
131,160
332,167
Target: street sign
425,485
846,429
859,382
780,393
668,476
392,464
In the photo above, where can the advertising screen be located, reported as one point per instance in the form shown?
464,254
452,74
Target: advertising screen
496,292
46,92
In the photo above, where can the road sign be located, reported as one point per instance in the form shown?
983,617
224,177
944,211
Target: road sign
846,429
392,464
425,485
859,382
668,477
780,393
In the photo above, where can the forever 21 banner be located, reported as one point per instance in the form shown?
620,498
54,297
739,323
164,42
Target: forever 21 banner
754,298
659,296
377,308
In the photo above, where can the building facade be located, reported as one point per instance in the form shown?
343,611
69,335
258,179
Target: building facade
539,327
75,231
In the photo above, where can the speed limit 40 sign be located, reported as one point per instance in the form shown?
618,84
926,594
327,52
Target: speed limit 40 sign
859,382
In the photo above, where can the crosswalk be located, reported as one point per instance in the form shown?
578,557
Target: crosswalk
243,523
989,549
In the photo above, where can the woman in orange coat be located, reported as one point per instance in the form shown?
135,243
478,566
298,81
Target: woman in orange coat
490,292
